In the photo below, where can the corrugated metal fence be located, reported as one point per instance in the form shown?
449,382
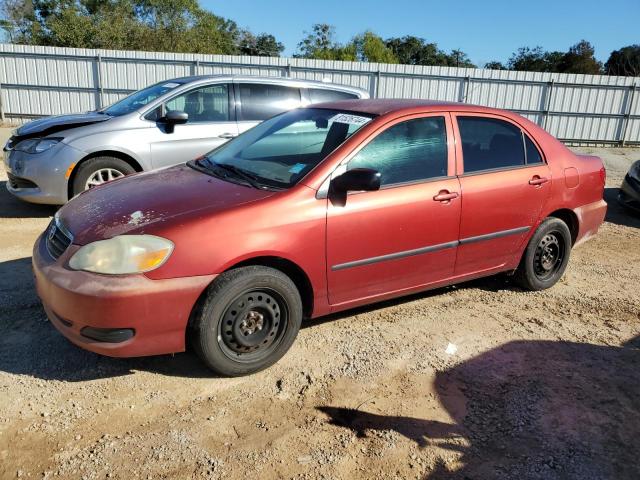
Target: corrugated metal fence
598,109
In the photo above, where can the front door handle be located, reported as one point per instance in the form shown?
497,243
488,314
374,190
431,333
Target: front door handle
227,135
445,196
538,180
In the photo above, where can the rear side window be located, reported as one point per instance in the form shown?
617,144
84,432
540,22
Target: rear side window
319,95
261,101
407,152
533,154
489,143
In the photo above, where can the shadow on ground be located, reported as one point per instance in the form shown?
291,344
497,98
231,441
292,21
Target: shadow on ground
30,345
618,214
533,410
11,207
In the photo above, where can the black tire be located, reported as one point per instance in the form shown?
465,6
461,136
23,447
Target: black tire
89,167
246,321
546,256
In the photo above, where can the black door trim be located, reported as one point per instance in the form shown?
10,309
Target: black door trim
429,249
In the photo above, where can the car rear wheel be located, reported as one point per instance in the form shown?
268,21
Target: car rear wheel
247,320
546,256
99,170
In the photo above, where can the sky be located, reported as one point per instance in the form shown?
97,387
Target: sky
485,29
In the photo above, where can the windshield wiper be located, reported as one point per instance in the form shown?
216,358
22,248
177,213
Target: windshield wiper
239,172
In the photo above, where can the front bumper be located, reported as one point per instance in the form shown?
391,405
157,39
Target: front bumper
41,177
156,310
629,195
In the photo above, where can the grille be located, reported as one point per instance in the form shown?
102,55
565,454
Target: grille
58,239
17,182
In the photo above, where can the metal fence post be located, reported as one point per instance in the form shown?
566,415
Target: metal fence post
464,91
98,82
289,72
376,92
547,104
627,115
195,67
1,105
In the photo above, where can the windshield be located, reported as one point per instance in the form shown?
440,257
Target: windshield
282,150
140,98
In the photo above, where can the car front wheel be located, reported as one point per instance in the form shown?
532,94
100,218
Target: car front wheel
99,170
248,319
546,256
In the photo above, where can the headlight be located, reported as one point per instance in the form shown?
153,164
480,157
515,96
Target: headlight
123,254
634,171
36,145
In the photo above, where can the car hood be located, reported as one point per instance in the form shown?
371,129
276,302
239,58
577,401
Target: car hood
140,203
48,125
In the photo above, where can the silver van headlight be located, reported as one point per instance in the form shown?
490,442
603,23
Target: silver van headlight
36,145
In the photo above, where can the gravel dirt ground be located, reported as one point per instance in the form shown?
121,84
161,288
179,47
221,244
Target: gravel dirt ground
478,381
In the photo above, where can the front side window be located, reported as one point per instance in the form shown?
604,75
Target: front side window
141,98
206,104
282,150
319,95
410,151
489,143
261,101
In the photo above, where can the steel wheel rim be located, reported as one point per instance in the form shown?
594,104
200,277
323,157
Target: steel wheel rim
253,325
102,176
549,255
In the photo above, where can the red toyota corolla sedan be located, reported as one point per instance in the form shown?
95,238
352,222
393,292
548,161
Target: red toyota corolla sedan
314,211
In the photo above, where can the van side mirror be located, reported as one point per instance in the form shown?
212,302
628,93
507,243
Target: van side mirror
356,180
173,118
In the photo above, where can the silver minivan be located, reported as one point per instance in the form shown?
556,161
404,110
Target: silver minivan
54,158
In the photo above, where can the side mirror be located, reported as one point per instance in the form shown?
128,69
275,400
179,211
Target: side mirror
173,118
356,180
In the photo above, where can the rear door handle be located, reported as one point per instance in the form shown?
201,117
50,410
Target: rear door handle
536,180
227,135
445,196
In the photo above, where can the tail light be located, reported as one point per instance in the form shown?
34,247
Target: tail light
603,175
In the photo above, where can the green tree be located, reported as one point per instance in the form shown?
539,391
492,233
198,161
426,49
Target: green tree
580,59
625,62
152,25
495,65
263,45
458,58
320,44
412,50
369,47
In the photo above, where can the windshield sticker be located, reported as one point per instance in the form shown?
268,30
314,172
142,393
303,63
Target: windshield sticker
170,85
350,119
297,168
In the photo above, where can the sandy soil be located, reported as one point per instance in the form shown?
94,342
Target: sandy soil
480,380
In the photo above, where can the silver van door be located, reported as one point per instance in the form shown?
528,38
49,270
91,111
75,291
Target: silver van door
211,122
256,102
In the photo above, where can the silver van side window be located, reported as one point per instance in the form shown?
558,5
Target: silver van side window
205,104
261,101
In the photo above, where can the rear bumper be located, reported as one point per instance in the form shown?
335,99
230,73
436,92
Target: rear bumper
590,217
146,317
629,195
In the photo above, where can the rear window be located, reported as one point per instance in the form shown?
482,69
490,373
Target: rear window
489,143
261,101
319,95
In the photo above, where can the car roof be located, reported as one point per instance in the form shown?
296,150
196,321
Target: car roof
379,106
269,79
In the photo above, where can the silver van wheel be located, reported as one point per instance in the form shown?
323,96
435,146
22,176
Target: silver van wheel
101,176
